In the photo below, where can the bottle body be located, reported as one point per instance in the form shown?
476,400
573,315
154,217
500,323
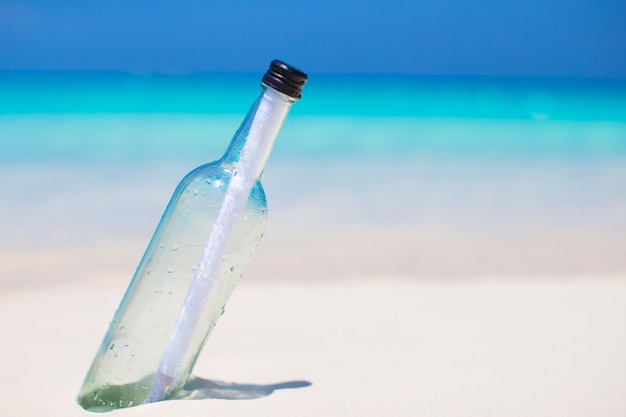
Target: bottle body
121,375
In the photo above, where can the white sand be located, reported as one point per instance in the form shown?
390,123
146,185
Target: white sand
362,303
363,348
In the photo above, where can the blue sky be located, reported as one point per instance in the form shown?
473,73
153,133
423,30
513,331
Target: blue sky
570,38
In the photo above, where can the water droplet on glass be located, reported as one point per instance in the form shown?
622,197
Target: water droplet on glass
115,356
126,345
174,248
158,292
232,268
112,346
170,270
162,246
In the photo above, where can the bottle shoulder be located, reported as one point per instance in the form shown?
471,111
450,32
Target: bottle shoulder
213,178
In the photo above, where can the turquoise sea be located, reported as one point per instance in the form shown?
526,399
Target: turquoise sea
86,115
450,175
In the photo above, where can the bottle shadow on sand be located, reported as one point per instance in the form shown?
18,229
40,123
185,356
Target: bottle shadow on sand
201,389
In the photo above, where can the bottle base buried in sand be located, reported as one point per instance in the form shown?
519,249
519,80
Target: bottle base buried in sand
195,258
112,397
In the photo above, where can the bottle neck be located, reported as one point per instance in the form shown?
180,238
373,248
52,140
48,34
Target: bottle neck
259,130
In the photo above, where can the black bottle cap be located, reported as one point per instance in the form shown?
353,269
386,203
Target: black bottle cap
285,78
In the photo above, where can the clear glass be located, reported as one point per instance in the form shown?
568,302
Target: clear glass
123,371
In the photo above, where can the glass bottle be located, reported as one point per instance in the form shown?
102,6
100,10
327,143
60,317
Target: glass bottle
197,254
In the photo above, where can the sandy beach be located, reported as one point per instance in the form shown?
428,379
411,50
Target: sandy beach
378,346
510,306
